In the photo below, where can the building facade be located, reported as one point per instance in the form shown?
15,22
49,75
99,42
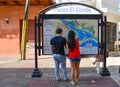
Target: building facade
12,14
11,17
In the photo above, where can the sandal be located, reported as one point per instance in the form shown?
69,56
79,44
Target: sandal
72,82
76,80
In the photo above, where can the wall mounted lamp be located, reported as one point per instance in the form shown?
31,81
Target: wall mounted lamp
7,20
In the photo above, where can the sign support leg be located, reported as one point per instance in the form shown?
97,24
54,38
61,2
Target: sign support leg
104,71
36,72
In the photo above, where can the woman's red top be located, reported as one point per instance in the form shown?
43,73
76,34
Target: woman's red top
76,52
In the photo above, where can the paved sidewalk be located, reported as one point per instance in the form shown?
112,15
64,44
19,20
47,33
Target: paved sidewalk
17,73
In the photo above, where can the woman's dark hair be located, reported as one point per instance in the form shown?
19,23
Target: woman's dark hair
59,30
71,40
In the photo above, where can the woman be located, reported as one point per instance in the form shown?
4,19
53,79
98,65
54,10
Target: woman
74,56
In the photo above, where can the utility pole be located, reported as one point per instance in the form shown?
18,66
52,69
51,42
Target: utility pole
24,31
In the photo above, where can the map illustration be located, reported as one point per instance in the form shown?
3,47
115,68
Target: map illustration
86,31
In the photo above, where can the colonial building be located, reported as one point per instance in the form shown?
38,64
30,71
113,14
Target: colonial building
11,17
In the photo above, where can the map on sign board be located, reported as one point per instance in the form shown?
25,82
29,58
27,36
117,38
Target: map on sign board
86,31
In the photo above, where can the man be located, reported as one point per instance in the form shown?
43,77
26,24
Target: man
57,45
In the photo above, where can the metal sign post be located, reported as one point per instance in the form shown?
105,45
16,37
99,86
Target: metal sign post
104,71
36,72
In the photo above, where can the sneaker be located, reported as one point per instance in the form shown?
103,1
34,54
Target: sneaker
58,80
66,80
72,82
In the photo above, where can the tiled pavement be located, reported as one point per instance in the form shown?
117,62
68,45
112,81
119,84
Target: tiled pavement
17,73
10,77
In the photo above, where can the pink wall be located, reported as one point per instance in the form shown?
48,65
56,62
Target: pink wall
10,33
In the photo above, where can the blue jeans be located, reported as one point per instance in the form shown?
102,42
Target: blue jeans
60,59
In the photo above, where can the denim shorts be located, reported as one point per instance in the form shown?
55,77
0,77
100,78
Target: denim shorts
75,59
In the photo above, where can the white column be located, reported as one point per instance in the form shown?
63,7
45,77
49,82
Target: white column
118,31
119,6
98,3
99,6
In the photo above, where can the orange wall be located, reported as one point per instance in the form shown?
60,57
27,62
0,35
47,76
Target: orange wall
10,33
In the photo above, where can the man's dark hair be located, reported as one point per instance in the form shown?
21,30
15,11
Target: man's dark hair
59,30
